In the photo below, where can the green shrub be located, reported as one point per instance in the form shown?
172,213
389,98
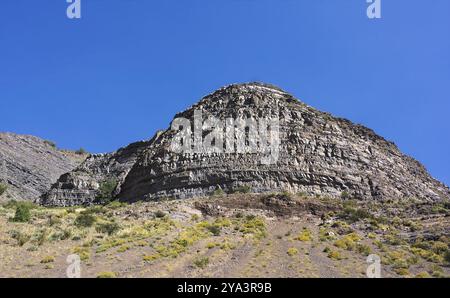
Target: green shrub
3,188
48,259
22,212
109,228
345,195
12,204
83,252
447,256
201,262
304,236
106,275
214,229
439,247
348,242
116,205
105,191
96,210
292,251
326,249
21,237
81,151
402,271
218,192
160,214
50,143
255,226
354,214
85,220
335,255
41,236
364,249
243,189
54,220
423,274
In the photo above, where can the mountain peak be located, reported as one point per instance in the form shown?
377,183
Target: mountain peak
315,153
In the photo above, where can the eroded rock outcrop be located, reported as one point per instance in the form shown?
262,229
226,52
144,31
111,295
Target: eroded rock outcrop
30,165
317,154
81,186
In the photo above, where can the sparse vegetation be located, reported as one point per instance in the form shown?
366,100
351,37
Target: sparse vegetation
218,192
105,192
447,256
82,252
48,259
164,235
352,214
50,143
106,274
81,151
116,205
254,226
345,195
348,242
305,235
21,237
3,188
201,262
243,189
23,213
423,274
85,220
109,228
292,251
335,255
160,214
214,229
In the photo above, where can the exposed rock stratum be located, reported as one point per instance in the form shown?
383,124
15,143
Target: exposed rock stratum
30,165
318,154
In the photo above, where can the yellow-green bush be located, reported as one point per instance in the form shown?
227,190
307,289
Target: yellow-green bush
427,255
305,235
348,242
201,262
150,258
292,251
107,274
48,259
254,226
335,255
3,188
83,252
423,274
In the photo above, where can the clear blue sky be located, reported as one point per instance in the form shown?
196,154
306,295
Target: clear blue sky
123,70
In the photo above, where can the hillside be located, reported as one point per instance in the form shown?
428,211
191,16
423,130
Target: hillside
30,165
235,235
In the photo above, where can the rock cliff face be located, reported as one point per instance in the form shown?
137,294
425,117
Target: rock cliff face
317,154
81,186
30,165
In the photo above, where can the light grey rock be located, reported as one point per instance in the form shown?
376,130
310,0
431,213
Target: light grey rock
30,165
81,186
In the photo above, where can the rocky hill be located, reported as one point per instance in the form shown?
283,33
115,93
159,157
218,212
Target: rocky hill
318,154
30,165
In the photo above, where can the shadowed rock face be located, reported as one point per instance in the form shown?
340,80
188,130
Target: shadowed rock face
81,186
318,154
30,165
